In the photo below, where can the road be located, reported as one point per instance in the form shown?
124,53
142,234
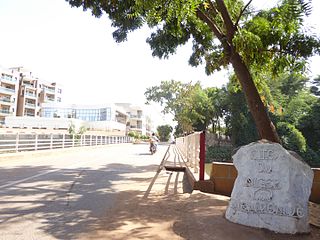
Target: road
114,192
62,196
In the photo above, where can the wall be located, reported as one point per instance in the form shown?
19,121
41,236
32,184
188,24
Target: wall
223,176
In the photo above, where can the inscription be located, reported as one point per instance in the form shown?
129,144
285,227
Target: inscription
263,154
268,208
272,184
264,167
263,195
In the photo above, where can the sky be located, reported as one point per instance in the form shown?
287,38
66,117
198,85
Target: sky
66,45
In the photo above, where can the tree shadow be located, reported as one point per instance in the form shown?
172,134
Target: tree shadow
69,202
109,203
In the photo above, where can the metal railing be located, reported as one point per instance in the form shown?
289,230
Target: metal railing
10,143
192,148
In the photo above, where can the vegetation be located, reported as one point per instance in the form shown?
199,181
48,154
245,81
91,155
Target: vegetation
223,33
193,107
137,135
164,132
219,154
73,131
268,50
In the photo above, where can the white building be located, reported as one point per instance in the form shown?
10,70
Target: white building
107,117
9,86
139,121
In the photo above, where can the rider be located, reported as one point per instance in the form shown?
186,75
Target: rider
153,140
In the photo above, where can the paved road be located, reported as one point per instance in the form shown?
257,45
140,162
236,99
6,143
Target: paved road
61,196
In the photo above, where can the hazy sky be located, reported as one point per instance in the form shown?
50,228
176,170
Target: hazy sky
69,46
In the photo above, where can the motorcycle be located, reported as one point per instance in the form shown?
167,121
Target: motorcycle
153,148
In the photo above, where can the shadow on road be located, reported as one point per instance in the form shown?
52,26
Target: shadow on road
108,203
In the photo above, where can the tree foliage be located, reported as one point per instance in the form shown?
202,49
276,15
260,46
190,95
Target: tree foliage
193,107
164,132
223,32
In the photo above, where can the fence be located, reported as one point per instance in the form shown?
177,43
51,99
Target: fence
34,142
192,148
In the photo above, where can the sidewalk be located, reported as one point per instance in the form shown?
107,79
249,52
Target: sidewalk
166,211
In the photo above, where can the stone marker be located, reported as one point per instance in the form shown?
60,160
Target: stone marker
272,189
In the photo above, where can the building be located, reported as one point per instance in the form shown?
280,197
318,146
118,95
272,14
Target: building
29,102
139,121
9,86
59,116
33,92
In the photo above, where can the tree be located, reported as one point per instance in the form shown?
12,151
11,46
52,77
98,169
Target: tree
239,122
191,105
73,131
164,132
223,32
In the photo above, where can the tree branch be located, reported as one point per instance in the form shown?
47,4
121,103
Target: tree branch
241,13
213,8
211,24
231,29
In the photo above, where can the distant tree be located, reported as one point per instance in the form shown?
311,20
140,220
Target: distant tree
239,122
77,133
184,100
223,32
193,107
164,132
309,125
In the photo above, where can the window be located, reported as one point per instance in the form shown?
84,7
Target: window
58,99
59,90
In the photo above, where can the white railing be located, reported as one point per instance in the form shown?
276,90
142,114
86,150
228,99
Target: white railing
33,142
189,146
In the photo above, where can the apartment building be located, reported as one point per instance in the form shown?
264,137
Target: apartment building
33,92
139,121
29,102
9,85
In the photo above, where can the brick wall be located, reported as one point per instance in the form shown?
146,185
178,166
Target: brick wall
223,176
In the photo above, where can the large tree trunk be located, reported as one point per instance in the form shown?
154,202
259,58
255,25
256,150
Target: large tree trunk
263,123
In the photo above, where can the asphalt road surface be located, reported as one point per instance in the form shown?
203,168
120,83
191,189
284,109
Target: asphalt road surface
66,195
114,192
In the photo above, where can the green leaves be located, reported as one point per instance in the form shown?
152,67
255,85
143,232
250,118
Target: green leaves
164,132
193,107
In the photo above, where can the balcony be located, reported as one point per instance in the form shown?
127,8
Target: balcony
49,90
135,128
5,101
139,116
4,112
30,105
49,99
29,94
29,85
10,80
7,90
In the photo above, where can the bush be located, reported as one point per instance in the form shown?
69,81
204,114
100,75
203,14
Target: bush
291,138
311,157
132,134
219,154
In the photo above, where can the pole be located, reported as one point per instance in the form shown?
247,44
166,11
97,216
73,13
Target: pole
202,154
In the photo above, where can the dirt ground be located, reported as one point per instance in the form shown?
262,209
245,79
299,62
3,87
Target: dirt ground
193,216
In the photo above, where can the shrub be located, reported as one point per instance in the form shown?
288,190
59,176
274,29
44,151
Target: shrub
291,138
219,154
311,157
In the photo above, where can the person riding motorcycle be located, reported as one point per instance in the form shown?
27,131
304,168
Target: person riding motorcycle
153,143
